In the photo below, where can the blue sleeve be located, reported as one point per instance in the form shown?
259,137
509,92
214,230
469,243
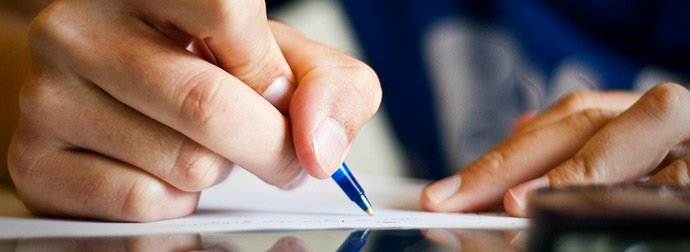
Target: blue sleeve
615,41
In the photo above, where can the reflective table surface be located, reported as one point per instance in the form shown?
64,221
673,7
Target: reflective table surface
365,240
361,240
328,240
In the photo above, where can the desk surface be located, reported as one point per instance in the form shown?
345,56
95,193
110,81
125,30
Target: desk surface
331,240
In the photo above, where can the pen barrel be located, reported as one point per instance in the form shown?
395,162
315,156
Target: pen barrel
348,183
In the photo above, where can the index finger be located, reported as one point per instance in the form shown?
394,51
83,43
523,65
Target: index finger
237,35
579,101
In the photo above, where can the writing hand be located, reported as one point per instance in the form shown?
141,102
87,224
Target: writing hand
120,122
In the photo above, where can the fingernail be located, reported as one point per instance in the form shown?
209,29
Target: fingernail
298,180
443,189
522,191
279,93
330,143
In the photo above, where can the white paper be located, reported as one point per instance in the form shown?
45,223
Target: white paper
245,203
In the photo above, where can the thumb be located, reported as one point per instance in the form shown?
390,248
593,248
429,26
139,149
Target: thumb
336,96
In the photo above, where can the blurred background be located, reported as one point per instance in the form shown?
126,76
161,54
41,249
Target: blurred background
456,74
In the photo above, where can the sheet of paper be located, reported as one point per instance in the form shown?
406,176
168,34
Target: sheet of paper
245,203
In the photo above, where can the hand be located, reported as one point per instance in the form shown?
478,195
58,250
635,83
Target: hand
586,138
120,121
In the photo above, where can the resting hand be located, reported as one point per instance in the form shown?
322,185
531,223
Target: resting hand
586,138
119,121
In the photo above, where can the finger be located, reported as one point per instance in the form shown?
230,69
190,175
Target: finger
89,119
626,149
71,183
576,102
677,173
336,96
167,83
519,158
238,37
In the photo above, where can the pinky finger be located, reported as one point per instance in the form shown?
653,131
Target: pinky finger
80,184
677,173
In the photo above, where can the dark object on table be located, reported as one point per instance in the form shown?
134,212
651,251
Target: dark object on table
611,218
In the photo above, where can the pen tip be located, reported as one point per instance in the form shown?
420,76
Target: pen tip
370,211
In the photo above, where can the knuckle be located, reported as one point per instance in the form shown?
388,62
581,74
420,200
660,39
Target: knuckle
52,27
195,166
19,161
575,101
149,200
664,101
592,118
258,70
493,163
201,101
140,202
287,170
22,162
580,169
28,155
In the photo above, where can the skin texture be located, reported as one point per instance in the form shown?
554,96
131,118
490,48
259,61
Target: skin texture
586,138
131,108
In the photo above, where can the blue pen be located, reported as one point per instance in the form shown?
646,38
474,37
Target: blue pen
352,189
354,242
